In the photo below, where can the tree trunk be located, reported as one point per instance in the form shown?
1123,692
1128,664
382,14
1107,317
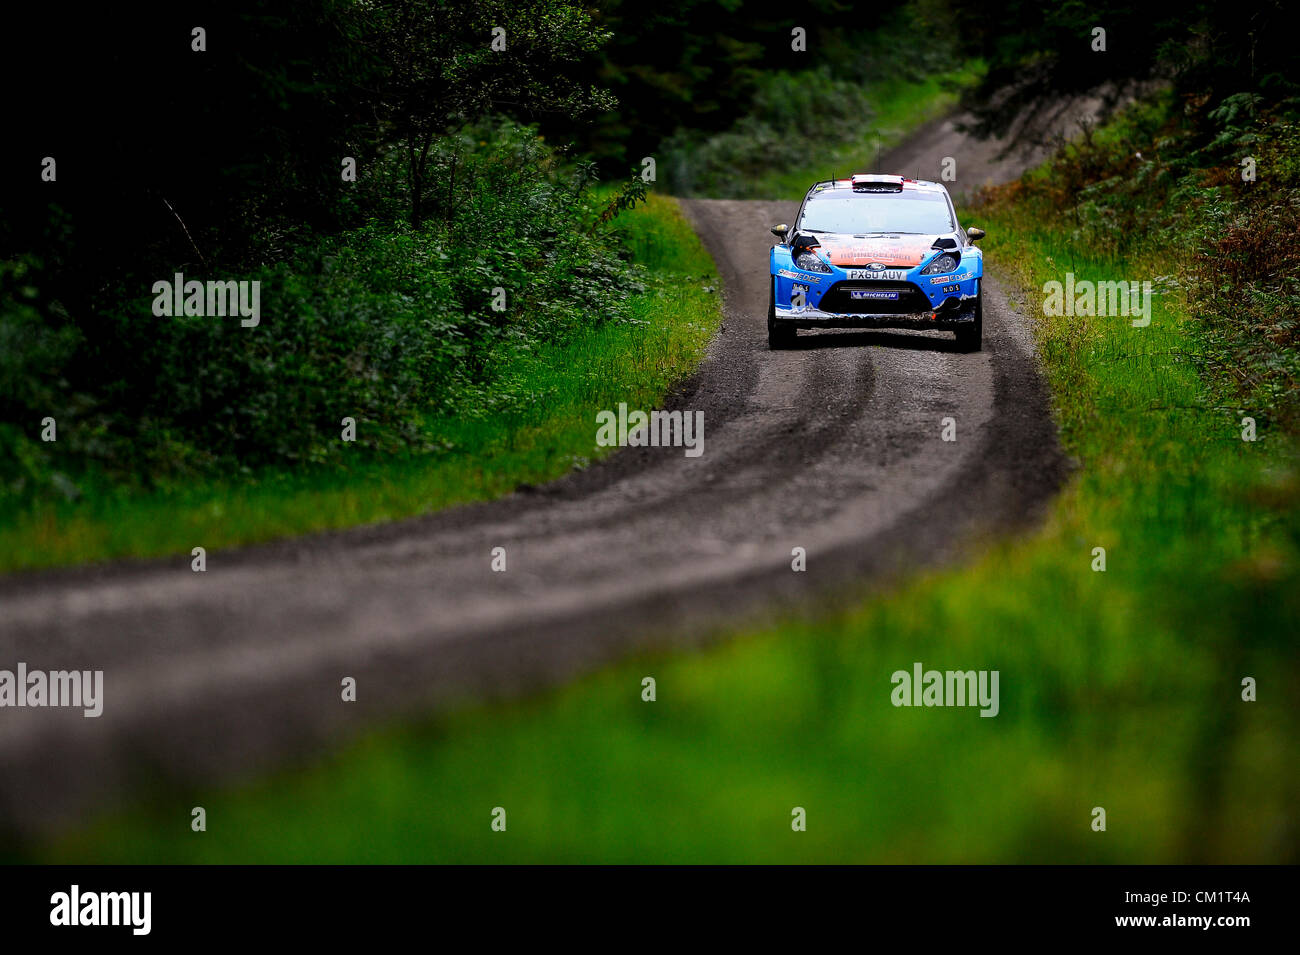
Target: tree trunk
419,162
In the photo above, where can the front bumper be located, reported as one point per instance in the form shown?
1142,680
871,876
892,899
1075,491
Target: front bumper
945,319
846,298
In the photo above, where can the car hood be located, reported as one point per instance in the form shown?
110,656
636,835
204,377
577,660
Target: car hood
895,251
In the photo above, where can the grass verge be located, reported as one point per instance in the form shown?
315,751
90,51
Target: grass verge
636,361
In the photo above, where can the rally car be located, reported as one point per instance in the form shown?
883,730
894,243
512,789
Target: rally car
876,252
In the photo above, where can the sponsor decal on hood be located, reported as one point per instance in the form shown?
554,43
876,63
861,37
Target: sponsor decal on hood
897,251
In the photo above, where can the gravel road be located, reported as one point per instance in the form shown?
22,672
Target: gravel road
834,446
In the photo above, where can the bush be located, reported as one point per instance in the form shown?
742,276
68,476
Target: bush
389,325
1154,179
796,113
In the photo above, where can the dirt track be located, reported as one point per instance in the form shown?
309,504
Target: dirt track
834,446
987,162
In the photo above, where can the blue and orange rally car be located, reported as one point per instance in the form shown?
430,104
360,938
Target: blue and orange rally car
876,252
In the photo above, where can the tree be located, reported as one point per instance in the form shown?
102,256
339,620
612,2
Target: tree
446,63
1040,54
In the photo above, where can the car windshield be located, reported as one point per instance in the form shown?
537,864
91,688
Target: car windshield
860,213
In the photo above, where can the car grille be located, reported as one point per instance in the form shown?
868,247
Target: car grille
910,299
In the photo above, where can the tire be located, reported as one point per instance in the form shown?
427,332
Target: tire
971,339
778,337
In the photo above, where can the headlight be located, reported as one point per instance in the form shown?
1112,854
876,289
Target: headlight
944,263
810,263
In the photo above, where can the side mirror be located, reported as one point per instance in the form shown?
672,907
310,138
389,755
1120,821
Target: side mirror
780,231
975,234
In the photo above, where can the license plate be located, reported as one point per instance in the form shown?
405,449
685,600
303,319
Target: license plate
887,275
859,293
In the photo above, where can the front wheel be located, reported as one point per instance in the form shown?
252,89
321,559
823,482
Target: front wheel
778,336
971,337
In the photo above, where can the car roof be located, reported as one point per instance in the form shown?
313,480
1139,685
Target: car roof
843,188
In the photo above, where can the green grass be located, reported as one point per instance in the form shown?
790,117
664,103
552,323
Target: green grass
902,106
637,361
1119,689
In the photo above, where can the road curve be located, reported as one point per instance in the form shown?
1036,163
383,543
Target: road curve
834,446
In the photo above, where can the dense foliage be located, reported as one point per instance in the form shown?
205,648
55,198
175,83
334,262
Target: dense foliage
704,65
1214,204
1040,54
795,116
226,164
